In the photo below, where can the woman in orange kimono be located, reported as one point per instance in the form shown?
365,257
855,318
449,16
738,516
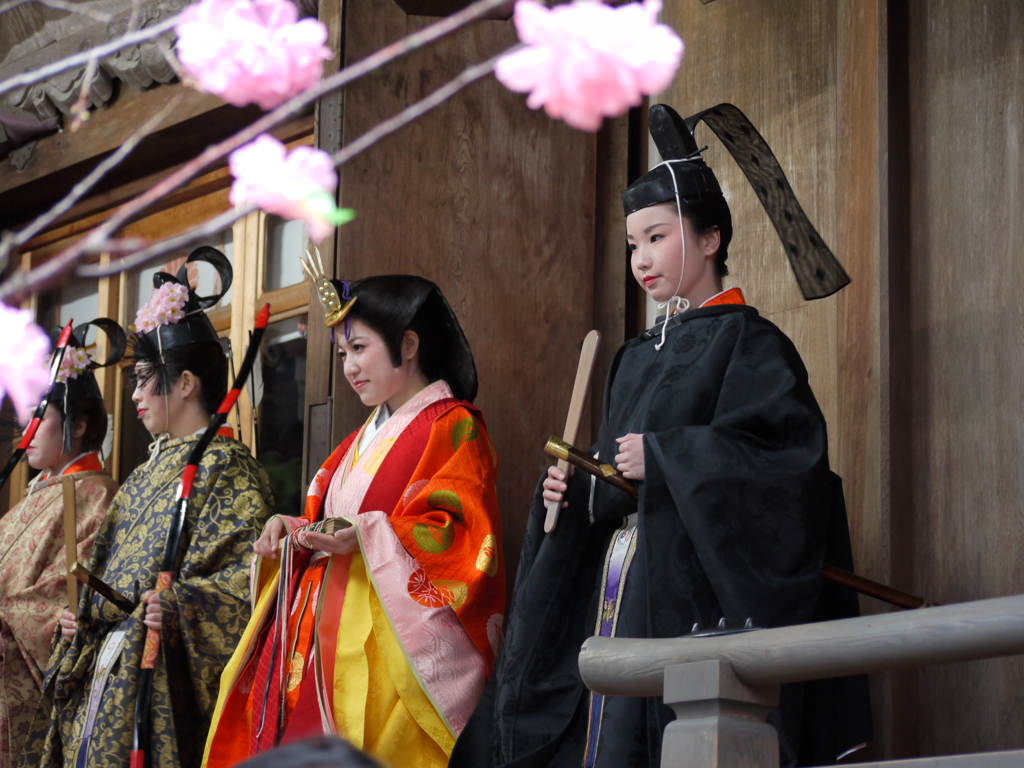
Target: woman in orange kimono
377,614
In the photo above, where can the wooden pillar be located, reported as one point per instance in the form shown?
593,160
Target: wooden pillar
720,722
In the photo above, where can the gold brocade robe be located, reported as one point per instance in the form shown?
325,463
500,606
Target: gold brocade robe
33,591
203,612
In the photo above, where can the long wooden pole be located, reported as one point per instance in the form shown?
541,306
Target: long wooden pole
562,450
70,541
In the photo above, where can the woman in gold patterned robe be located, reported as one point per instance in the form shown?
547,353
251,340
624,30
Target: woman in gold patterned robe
86,715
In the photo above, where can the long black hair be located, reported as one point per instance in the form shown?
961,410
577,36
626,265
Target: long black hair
393,304
205,359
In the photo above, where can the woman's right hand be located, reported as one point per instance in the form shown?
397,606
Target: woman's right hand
275,530
68,624
555,485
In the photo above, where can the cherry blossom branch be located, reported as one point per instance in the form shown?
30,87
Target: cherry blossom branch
37,75
381,130
80,109
23,284
10,240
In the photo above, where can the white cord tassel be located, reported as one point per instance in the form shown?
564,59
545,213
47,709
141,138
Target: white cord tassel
681,304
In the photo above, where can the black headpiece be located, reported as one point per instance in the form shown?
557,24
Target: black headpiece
76,381
194,327
817,270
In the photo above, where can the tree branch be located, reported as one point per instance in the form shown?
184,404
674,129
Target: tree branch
364,142
22,284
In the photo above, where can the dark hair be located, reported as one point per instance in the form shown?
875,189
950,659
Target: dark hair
707,215
394,304
317,752
205,360
95,415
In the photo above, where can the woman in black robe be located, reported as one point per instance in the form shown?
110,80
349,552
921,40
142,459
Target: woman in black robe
711,413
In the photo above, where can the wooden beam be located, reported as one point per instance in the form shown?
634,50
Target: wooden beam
982,629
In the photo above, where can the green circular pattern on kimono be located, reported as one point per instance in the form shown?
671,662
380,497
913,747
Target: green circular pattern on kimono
434,538
464,431
446,500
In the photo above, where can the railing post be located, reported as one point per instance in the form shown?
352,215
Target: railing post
719,720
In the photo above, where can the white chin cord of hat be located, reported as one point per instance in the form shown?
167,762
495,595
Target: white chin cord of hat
157,445
681,304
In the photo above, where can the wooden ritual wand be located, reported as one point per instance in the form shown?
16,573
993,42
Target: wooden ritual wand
584,372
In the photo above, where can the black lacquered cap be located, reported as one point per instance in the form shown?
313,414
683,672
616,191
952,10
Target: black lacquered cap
815,267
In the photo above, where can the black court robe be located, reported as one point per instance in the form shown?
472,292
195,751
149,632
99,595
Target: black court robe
737,514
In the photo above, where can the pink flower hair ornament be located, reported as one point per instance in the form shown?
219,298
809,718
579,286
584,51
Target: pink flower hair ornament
251,51
166,305
296,185
585,61
24,360
74,363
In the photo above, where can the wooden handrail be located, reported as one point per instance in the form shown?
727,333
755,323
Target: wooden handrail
982,629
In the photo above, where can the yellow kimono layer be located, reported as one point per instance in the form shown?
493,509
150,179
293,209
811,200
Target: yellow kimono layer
388,647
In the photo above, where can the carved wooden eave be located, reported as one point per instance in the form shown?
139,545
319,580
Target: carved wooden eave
141,66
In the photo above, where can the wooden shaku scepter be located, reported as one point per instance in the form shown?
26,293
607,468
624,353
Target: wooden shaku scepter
140,735
562,450
33,426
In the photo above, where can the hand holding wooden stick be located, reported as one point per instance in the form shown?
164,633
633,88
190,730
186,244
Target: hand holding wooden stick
572,423
562,450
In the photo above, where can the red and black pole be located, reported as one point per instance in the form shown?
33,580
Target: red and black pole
140,736
33,426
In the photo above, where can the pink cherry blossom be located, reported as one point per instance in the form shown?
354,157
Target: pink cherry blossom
73,364
585,61
24,356
296,185
251,51
165,306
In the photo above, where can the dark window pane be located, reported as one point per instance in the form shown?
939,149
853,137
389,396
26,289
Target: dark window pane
281,408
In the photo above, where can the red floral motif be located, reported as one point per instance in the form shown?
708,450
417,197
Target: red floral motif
423,592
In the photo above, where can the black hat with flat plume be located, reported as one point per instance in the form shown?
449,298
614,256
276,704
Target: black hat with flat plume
684,173
75,380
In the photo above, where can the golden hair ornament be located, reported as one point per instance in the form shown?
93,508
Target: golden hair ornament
335,307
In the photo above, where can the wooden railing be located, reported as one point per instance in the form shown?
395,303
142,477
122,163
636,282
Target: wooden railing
721,688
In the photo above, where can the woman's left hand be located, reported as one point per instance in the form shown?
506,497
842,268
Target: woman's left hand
341,542
152,617
630,458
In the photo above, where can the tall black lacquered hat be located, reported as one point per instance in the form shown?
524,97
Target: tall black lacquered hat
684,172
192,326
75,380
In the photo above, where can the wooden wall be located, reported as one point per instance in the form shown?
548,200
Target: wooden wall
899,125
966,74
496,204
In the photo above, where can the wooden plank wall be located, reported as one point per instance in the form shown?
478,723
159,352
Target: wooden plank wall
494,203
966,68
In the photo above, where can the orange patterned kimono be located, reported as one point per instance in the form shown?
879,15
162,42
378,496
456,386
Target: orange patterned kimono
390,646
33,587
